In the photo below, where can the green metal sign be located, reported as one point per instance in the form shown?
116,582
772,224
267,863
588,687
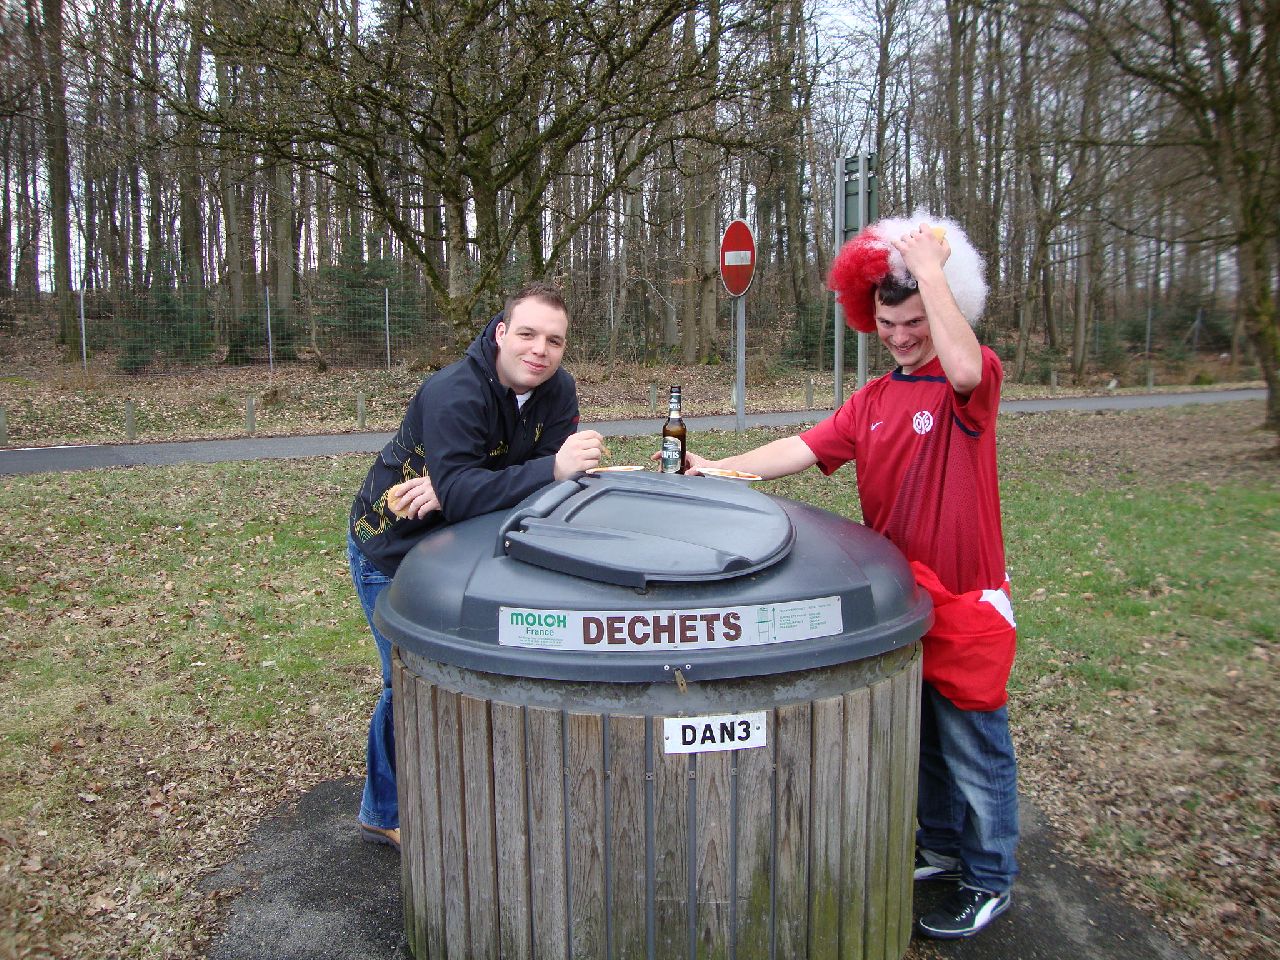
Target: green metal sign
860,171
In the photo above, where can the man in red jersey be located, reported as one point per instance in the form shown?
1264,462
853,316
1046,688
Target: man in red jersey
924,440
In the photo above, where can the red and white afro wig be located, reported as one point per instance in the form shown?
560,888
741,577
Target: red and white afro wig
868,258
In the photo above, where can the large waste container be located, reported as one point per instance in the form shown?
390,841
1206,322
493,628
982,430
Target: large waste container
656,716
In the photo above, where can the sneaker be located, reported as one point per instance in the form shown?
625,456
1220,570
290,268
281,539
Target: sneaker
934,866
389,836
963,913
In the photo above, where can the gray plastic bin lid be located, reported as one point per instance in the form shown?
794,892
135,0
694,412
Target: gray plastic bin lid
634,528
628,577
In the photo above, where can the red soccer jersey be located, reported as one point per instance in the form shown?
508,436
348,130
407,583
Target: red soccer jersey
926,463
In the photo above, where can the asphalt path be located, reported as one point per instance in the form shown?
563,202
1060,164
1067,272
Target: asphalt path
305,888
103,455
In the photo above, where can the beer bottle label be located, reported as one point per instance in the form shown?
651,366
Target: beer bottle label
671,455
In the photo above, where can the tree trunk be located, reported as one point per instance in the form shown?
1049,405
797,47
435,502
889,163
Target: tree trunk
158,267
228,176
89,178
689,328
710,270
133,171
47,46
6,212
27,268
1080,333
667,259
283,267
629,252
710,208
793,152
1261,319
1026,308
190,205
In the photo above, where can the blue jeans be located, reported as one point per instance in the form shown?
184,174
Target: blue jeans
968,803
378,805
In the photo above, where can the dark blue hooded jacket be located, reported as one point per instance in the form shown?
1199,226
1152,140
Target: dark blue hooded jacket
481,452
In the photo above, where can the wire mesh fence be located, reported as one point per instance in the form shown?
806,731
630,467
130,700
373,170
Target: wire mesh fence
388,323
174,329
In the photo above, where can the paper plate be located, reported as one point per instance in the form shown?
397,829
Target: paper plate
620,469
728,474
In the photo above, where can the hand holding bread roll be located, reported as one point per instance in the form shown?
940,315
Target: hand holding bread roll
413,498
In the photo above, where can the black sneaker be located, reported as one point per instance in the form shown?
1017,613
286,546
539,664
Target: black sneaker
963,913
934,866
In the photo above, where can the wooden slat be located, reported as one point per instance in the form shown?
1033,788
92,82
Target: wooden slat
587,930
827,818
794,766
671,853
879,780
511,815
626,838
900,820
857,729
712,856
547,833
425,849
453,840
909,719
482,868
755,852
408,781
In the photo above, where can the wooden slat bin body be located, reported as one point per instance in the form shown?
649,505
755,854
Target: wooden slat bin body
543,819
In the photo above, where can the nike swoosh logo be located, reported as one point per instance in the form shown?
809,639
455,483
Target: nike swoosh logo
876,424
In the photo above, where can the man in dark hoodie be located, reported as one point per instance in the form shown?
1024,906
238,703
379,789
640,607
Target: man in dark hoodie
480,435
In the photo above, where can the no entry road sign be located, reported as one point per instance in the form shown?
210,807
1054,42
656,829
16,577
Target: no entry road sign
737,257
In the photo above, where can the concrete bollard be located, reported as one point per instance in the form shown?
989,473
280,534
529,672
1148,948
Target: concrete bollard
360,411
1053,381
4,428
653,398
808,394
130,426
248,415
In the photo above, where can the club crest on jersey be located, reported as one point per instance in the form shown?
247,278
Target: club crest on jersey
922,422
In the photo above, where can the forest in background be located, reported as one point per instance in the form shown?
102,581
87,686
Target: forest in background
189,173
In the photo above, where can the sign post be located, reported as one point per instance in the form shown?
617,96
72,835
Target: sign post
737,268
857,203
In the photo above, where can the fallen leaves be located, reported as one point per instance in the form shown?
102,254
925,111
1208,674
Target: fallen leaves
141,768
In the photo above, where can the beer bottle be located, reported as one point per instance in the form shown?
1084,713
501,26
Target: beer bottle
674,435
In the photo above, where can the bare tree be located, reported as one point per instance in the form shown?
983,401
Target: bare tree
1214,62
16,99
440,79
46,41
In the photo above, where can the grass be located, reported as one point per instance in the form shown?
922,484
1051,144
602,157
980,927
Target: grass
182,651
176,659
1120,571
